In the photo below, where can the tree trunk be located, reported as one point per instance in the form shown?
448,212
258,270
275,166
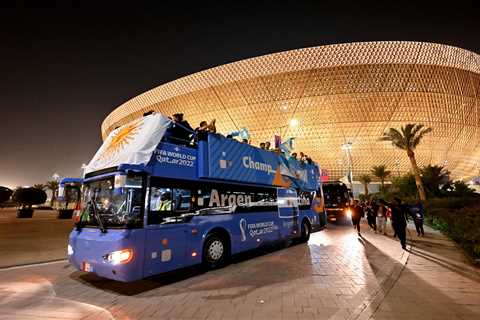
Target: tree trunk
382,185
366,190
416,172
54,197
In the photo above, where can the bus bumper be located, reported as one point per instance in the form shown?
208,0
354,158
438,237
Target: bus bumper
89,250
334,214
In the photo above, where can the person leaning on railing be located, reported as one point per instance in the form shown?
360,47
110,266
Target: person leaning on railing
180,131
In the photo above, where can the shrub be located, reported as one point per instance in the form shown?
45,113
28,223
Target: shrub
459,218
27,197
404,186
5,194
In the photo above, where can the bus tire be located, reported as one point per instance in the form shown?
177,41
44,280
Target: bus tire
216,251
306,230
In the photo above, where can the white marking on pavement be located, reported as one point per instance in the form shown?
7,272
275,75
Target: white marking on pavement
23,266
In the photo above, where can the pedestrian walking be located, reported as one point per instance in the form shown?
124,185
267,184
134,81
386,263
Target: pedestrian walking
389,216
417,213
371,215
357,214
399,221
381,217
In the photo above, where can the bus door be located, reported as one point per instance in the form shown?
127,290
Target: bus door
288,212
166,233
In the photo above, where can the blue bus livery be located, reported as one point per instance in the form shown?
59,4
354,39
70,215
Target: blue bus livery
174,206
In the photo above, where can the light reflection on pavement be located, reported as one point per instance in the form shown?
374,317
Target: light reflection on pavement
36,299
327,278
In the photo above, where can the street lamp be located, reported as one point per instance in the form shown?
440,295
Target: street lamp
83,167
347,148
56,176
397,164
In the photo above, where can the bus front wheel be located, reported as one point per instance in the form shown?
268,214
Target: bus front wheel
215,251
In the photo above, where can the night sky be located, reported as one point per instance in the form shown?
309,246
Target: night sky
65,67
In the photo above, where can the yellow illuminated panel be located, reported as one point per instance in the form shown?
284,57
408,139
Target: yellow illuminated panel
329,95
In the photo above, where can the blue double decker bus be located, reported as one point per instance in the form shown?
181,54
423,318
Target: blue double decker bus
150,206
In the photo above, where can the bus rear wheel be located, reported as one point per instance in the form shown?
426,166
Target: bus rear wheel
305,232
215,251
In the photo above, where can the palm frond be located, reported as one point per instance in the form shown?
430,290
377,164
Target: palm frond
395,137
420,134
365,179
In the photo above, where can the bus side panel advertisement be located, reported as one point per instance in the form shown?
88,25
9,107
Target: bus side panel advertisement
232,160
173,161
235,161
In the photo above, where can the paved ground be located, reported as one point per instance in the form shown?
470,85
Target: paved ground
42,238
438,282
337,275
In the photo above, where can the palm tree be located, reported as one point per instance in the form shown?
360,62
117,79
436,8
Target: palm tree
408,138
52,185
40,186
365,180
381,173
433,177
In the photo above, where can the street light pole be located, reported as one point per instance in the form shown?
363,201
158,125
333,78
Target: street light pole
397,164
83,167
347,147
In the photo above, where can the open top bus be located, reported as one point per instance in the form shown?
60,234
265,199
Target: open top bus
150,206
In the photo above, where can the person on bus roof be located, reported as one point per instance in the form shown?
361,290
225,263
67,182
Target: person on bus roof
206,127
180,130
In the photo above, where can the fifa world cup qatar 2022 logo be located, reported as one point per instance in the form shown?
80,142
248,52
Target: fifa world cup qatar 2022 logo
243,229
257,229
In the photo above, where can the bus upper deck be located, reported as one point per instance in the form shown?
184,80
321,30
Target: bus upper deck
151,207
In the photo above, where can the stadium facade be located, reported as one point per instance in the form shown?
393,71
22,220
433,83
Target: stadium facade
338,94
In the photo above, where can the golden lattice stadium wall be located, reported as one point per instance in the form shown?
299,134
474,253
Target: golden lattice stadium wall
338,93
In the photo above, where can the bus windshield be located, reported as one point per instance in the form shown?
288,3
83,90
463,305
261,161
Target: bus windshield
117,206
335,194
72,194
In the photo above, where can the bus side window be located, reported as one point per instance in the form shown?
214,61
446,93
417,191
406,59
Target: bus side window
202,198
161,199
181,200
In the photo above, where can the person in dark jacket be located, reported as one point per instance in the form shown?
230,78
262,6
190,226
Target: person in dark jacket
371,214
357,214
180,131
399,221
417,213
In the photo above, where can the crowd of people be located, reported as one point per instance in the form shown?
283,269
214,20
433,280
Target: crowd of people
377,212
180,132
303,158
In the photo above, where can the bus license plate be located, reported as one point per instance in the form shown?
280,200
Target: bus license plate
87,267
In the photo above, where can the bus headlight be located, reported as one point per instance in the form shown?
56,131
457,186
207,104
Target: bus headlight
120,257
349,213
69,250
